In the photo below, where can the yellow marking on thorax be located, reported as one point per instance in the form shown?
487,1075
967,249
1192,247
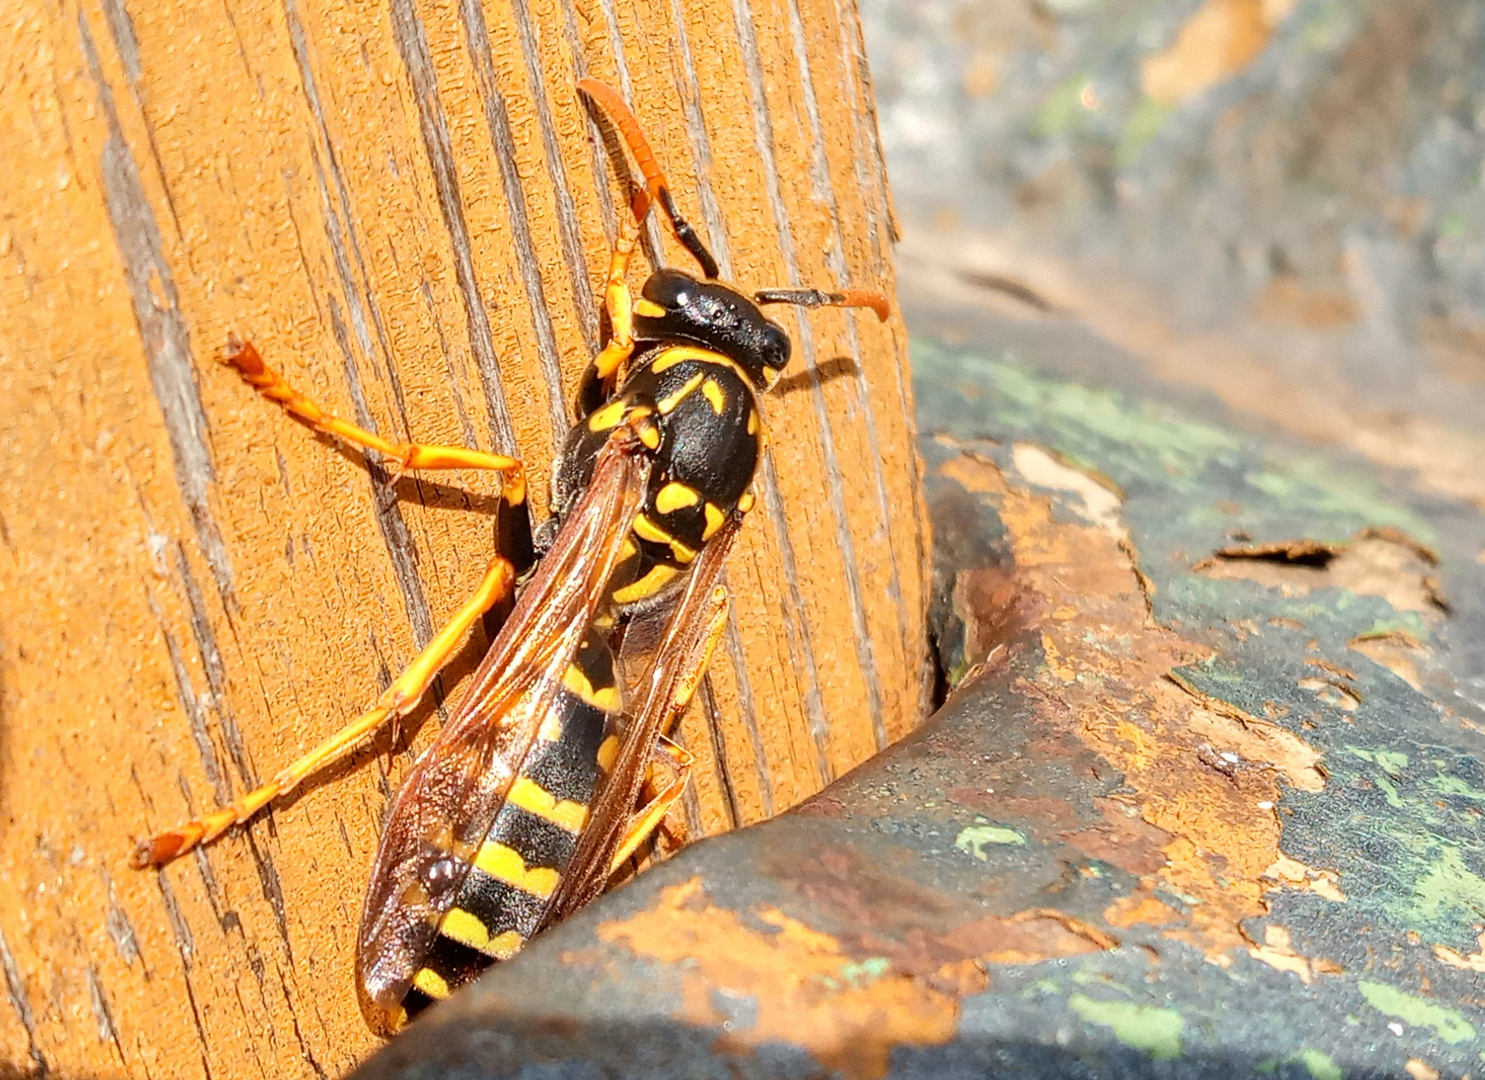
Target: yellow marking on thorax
604,697
752,421
648,308
431,983
608,752
679,354
745,502
607,417
676,496
647,529
506,864
648,585
670,401
535,799
715,396
715,519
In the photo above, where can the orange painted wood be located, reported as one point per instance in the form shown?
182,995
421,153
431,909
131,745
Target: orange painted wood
407,207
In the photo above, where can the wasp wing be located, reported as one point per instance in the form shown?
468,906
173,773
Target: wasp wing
660,695
455,789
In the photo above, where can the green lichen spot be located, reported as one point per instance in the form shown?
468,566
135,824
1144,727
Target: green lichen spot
974,838
1411,1009
1351,498
1453,785
1449,893
1145,1027
1319,1064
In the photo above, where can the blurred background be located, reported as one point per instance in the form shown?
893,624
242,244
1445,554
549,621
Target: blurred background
1270,207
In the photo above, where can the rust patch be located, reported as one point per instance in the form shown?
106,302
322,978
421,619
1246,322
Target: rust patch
1124,840
1254,740
1104,679
1140,908
1454,958
1383,562
1026,937
848,1012
1278,952
1397,651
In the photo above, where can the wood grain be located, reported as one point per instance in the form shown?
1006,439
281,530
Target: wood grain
407,207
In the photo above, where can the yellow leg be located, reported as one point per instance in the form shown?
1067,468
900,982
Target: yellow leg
618,303
397,701
242,356
648,819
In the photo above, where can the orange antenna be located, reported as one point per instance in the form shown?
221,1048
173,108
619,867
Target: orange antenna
813,298
656,189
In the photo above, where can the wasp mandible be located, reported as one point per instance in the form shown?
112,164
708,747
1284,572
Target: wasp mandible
555,766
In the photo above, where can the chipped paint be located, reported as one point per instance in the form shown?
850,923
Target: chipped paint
1447,1024
1154,1030
1106,673
847,1012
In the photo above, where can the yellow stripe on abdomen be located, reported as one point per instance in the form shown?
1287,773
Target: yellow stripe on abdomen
431,983
467,929
533,798
505,864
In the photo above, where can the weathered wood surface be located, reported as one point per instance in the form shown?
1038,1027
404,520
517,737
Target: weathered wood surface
406,206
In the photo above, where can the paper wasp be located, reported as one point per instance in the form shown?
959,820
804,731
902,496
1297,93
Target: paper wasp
555,766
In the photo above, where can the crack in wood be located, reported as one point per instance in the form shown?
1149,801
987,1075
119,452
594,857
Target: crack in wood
162,327
412,47
497,119
568,233
15,989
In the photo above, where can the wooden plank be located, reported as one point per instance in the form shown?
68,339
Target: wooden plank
407,207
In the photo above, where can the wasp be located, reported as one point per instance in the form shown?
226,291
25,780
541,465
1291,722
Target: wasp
556,766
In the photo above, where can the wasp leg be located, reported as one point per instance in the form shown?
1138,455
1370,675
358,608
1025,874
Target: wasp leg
682,680
656,188
397,701
242,356
619,304
652,814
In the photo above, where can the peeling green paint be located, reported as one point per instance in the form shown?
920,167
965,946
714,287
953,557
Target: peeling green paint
973,838
1319,1064
1453,785
1446,1023
1155,1030
1450,892
1340,493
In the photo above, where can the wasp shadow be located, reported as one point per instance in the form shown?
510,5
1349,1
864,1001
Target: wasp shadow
836,368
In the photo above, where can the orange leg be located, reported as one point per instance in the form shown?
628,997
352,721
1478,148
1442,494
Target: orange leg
244,357
397,701
656,188
652,814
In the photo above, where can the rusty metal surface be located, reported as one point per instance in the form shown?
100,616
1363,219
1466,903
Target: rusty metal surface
1207,802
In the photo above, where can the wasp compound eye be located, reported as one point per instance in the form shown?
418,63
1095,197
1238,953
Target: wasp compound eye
773,346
